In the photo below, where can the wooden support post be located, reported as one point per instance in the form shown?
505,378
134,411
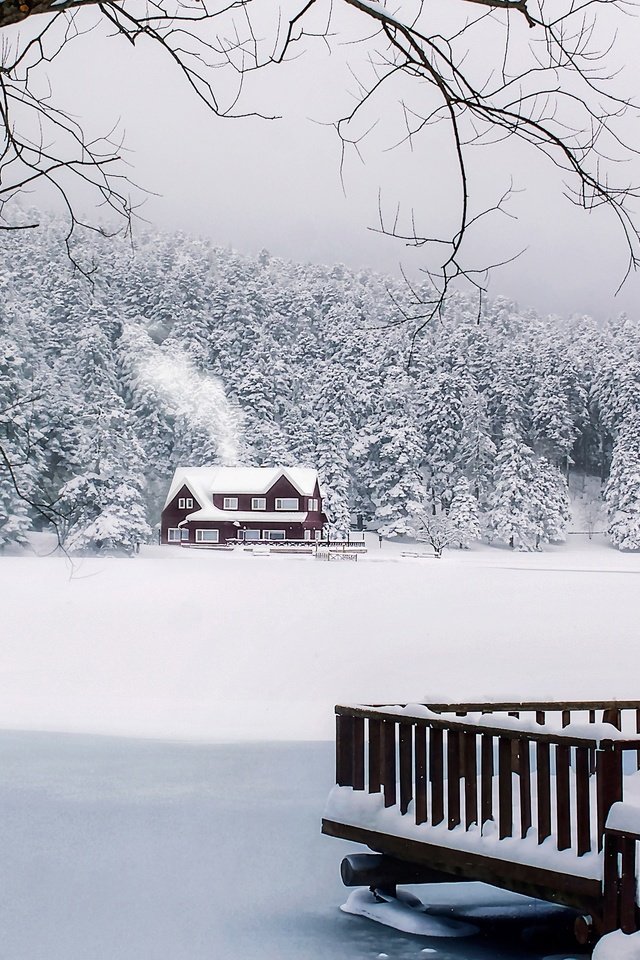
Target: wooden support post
358,753
470,779
375,755
628,886
612,716
389,762
583,804
505,788
453,779
543,781
420,753
608,783
610,897
437,777
563,801
524,769
486,779
406,766
344,750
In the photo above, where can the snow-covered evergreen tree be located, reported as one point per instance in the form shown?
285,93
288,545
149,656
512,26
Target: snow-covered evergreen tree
512,515
553,510
464,514
103,505
333,470
16,472
477,450
622,492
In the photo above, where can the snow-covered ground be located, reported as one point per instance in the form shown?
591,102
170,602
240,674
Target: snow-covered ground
114,849
215,646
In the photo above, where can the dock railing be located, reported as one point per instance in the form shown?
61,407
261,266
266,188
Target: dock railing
454,764
621,908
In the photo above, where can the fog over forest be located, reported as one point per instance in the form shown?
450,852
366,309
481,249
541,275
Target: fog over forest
178,352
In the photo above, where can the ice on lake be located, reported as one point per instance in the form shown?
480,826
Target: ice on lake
122,849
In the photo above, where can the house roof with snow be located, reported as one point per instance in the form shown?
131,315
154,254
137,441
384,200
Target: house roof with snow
240,516
205,482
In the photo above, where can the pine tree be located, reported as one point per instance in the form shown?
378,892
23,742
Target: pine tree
512,514
16,473
464,514
477,449
103,505
333,470
622,492
551,499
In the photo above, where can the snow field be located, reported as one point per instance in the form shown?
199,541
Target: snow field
207,646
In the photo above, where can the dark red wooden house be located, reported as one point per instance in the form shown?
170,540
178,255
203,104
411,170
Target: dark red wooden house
212,505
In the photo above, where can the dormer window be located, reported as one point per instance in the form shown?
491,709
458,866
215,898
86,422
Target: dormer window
185,503
286,503
230,503
258,503
313,505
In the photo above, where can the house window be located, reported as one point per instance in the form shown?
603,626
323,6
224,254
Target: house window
307,534
258,503
249,535
174,534
185,533
313,505
286,503
318,534
185,503
230,503
207,536
273,534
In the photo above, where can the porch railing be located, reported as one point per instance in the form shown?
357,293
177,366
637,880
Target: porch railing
621,908
454,764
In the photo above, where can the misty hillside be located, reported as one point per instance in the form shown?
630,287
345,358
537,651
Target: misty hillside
178,352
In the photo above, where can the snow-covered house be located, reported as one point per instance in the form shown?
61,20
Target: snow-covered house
208,505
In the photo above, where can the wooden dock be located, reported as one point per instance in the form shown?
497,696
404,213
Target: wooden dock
514,794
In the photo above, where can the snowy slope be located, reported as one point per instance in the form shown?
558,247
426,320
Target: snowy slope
186,644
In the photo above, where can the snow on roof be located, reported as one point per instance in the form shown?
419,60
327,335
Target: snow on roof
246,516
203,482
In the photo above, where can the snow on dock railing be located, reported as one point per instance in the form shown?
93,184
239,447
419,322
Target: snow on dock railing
458,769
534,797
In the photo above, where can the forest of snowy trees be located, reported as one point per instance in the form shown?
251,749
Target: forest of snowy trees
183,353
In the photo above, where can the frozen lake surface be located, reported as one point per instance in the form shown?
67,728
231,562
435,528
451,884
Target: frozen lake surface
123,849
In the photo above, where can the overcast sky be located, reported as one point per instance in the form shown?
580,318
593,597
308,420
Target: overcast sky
255,184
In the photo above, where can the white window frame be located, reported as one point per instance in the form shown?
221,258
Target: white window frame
174,535
250,536
258,503
227,501
185,503
185,534
268,534
307,534
209,539
313,505
318,534
281,500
